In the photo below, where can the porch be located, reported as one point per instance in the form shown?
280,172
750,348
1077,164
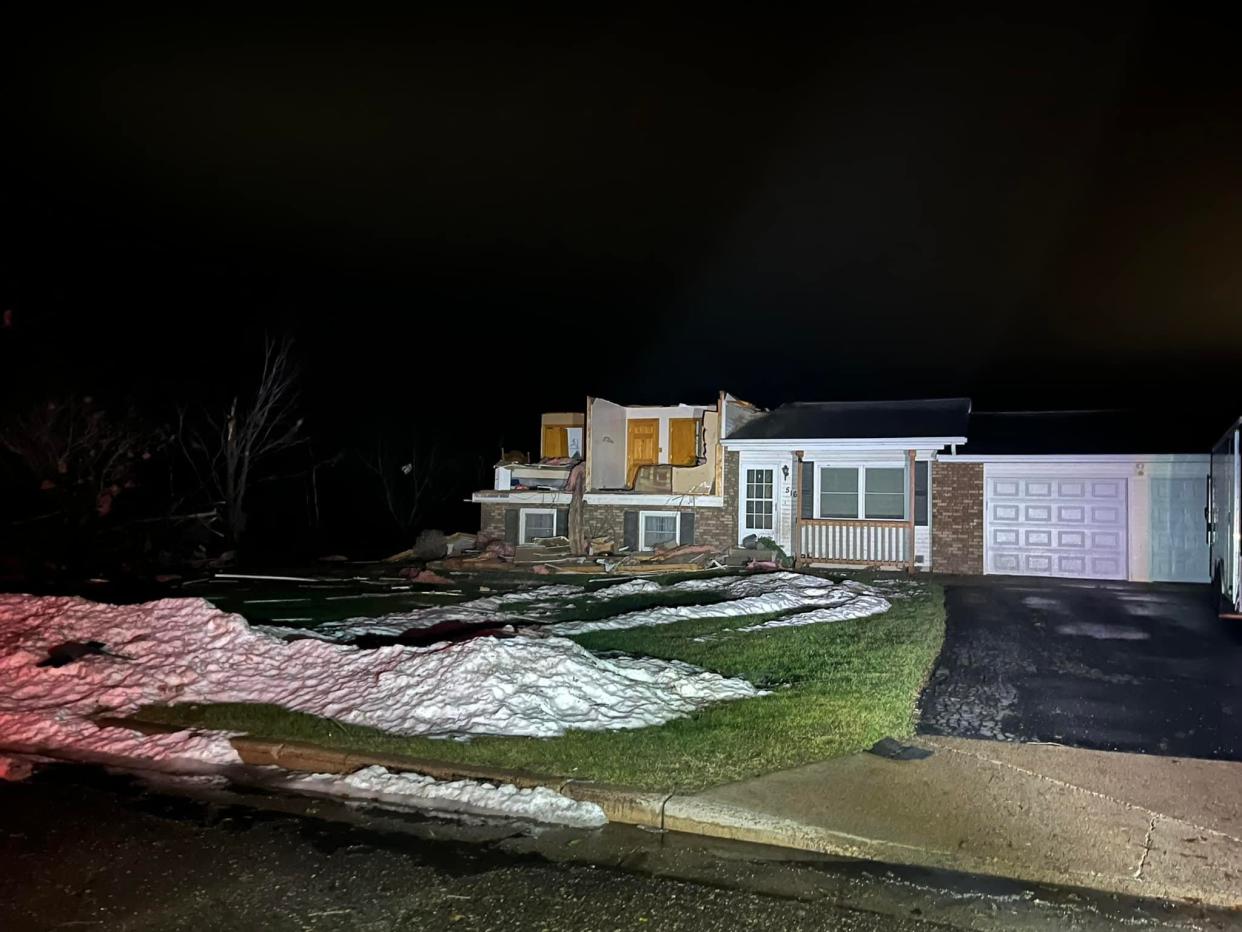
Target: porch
887,544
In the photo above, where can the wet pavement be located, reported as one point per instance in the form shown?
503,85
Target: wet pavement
82,849
1123,667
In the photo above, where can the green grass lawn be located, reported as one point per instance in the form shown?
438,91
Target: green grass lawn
836,688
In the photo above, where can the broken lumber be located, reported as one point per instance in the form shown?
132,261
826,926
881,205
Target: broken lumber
652,569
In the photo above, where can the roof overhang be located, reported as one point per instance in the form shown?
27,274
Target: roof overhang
843,445
1085,458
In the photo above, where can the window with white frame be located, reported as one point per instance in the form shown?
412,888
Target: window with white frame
877,492
536,523
759,499
838,492
658,528
885,495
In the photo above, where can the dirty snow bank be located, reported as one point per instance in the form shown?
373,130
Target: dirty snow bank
185,650
376,783
730,596
519,607
752,595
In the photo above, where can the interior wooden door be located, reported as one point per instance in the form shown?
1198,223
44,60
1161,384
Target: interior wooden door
642,445
555,441
683,441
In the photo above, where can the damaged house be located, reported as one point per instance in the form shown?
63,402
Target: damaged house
653,476
912,484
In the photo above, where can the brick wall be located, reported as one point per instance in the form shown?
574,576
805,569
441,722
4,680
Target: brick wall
730,496
710,526
715,526
492,520
957,517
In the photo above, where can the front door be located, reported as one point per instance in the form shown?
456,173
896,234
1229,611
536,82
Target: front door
642,445
758,504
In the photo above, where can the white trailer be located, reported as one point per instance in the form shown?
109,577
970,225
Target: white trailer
1224,512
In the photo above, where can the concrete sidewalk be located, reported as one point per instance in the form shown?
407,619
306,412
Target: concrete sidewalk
1130,823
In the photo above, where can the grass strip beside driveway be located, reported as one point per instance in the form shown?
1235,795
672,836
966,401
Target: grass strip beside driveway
836,689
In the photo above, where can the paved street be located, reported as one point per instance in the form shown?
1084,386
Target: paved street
1116,666
83,850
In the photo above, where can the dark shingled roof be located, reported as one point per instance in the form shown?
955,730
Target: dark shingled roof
850,420
1051,433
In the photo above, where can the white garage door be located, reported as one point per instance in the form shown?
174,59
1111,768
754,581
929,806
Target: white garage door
1179,550
1055,526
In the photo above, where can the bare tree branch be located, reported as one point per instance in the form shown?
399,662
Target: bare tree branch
240,443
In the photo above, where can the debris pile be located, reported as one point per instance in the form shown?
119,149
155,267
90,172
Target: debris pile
550,555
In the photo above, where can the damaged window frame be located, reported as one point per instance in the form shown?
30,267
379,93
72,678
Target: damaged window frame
524,513
643,544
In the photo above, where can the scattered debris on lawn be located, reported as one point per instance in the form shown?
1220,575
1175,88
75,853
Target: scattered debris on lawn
254,577
427,577
557,554
375,783
544,550
628,568
459,543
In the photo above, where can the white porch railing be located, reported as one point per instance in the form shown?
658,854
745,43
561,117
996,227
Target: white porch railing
839,540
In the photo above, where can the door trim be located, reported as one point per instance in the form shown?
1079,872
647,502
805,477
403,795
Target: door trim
781,532
631,467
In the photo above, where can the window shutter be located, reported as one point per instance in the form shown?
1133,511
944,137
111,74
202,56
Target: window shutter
687,528
562,522
920,493
511,526
807,496
630,537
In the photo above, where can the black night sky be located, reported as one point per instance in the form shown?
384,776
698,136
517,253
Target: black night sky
465,222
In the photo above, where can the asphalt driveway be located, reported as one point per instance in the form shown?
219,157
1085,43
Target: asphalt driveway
1124,667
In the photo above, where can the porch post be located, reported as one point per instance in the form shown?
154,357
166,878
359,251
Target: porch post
797,511
910,511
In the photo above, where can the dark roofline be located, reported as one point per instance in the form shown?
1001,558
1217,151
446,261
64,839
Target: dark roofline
943,419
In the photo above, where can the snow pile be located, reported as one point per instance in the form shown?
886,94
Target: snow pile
516,607
726,597
752,595
403,789
185,650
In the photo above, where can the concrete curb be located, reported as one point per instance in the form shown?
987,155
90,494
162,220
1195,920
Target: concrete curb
692,814
620,803
312,758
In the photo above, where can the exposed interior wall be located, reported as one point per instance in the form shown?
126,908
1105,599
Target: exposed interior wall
606,456
606,440
572,421
562,419
664,414
701,479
